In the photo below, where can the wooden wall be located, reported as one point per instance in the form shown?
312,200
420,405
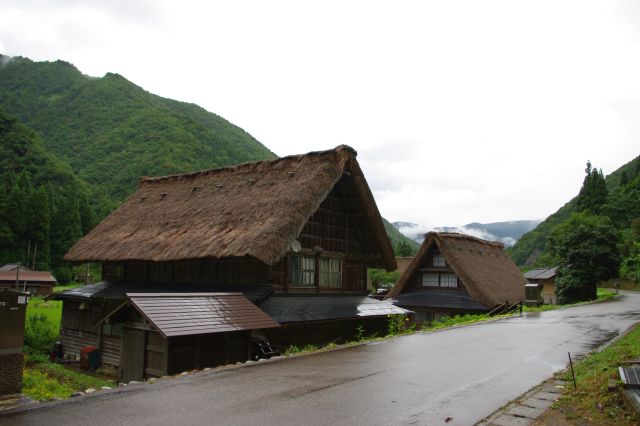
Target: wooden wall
77,331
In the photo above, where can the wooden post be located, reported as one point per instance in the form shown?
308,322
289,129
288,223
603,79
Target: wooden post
18,276
575,386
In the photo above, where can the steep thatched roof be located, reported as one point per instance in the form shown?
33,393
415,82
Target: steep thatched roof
486,271
254,209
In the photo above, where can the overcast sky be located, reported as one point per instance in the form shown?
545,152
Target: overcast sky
460,111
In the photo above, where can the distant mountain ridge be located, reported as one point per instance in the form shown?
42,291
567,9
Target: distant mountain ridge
505,232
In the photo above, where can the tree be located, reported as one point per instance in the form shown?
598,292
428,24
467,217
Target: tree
630,268
403,249
381,278
593,194
624,179
586,248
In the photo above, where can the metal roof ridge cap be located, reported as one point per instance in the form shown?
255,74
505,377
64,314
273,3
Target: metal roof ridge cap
190,294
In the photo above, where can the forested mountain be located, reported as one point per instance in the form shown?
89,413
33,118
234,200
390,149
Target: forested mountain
111,131
402,245
622,207
44,208
72,148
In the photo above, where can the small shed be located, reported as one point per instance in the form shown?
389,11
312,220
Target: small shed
13,308
546,277
39,283
166,333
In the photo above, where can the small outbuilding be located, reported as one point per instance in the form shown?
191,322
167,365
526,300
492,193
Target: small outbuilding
37,283
547,278
457,274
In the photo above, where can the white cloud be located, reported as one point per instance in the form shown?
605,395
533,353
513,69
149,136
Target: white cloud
460,111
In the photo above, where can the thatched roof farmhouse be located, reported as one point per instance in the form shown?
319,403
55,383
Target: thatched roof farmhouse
294,236
455,274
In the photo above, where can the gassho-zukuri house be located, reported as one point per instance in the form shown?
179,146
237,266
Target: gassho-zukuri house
196,265
454,274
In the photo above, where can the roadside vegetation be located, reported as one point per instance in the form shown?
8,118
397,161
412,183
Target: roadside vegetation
43,379
401,325
591,402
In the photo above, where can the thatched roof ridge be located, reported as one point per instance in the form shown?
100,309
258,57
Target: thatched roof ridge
249,167
486,271
253,209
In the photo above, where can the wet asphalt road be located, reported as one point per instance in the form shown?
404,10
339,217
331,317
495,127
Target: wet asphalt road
464,373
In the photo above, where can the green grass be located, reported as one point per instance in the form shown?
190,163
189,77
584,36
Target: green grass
44,380
51,309
59,288
591,399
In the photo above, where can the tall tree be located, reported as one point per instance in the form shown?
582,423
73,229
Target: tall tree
586,249
593,194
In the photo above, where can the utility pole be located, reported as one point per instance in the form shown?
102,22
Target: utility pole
18,276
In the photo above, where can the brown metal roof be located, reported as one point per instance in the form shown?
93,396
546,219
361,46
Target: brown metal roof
28,276
180,314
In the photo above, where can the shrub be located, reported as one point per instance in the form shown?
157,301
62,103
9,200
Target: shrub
400,324
39,334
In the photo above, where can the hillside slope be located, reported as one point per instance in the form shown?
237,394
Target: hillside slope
623,205
44,208
111,131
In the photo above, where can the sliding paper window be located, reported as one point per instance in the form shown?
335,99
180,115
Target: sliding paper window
302,271
330,273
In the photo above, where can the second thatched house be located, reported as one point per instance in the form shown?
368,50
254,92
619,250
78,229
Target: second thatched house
457,274
294,236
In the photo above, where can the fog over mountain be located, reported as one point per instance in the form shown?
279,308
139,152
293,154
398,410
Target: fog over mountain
505,232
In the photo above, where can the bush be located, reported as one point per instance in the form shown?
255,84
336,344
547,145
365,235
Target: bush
39,334
400,324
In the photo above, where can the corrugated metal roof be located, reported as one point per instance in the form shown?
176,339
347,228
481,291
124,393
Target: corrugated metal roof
180,314
115,291
540,274
285,309
438,299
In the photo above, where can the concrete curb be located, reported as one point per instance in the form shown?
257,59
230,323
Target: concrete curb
524,410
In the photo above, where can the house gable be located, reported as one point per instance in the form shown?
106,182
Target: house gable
484,270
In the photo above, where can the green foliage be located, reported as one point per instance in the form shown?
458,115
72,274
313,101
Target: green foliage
93,138
292,350
458,320
40,386
44,380
400,324
630,268
621,205
41,201
42,326
593,194
39,334
383,279
586,251
112,131
403,249
592,398
396,237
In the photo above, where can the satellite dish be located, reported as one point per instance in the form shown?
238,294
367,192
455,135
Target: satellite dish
296,246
